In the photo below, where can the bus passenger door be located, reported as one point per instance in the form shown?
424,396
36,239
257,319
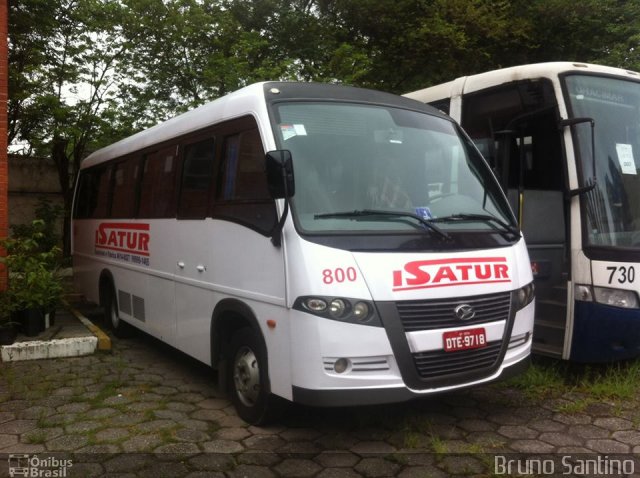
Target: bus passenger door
194,287
156,207
517,123
536,189
195,238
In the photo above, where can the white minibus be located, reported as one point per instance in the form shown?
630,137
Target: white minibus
317,243
564,139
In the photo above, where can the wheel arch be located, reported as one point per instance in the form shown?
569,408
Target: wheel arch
106,285
229,316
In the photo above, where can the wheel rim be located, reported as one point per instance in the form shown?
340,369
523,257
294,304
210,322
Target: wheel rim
246,376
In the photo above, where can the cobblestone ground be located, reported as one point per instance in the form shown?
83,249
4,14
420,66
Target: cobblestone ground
146,410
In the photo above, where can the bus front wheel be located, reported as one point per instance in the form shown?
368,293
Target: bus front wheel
247,375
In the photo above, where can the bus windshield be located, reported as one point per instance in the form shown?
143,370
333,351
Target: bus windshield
612,209
383,169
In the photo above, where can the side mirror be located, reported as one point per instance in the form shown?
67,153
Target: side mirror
591,182
280,178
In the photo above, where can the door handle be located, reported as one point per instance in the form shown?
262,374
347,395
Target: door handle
201,268
181,264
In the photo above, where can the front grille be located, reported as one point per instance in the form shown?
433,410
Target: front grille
438,363
439,314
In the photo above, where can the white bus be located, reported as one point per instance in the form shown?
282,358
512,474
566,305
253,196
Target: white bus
369,257
564,139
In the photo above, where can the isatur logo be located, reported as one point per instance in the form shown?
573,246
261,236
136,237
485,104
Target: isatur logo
451,272
124,241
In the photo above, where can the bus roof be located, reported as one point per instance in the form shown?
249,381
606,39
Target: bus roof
248,100
514,73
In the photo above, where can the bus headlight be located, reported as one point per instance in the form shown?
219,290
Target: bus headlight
355,311
524,296
337,308
361,311
627,299
316,305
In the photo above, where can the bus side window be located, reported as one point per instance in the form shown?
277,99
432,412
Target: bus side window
125,175
98,194
197,174
82,207
158,184
243,195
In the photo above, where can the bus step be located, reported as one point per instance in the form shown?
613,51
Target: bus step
550,324
558,293
548,337
551,311
547,350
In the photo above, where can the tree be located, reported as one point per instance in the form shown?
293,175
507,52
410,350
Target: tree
410,44
85,73
184,53
64,56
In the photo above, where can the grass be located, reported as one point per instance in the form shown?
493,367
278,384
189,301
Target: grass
37,437
109,390
541,381
575,407
438,445
616,383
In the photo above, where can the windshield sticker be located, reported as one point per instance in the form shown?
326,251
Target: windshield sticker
625,157
451,272
291,130
424,212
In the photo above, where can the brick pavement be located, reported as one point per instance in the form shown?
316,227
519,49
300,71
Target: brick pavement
146,410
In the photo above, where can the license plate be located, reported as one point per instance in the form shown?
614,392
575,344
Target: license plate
464,339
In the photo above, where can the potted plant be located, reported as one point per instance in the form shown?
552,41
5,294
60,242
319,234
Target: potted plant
35,287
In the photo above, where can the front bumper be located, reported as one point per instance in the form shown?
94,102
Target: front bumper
377,396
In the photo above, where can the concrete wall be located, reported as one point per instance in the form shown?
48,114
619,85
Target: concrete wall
30,179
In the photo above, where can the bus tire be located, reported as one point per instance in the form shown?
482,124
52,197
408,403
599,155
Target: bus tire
247,379
112,316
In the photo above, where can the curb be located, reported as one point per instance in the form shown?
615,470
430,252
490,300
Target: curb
58,348
47,349
104,342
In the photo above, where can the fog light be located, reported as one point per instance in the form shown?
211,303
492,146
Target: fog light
337,308
341,365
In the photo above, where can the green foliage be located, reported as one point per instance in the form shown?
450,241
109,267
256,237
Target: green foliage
542,380
585,384
85,73
136,62
619,381
47,214
34,280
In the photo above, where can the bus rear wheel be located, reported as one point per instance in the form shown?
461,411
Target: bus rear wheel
248,378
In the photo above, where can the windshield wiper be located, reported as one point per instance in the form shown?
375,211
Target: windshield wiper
377,212
479,217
